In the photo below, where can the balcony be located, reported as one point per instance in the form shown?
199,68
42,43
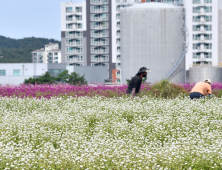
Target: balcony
74,60
99,2
99,11
201,4
100,51
99,27
73,35
118,59
74,52
100,43
100,35
118,67
73,44
100,60
99,19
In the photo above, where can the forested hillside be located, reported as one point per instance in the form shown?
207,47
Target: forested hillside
19,50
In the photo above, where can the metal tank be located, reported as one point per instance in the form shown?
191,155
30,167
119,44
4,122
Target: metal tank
201,73
153,36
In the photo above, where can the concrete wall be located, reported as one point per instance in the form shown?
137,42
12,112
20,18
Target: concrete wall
93,75
152,38
201,73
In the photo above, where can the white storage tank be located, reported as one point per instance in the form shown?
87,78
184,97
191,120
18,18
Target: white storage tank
152,36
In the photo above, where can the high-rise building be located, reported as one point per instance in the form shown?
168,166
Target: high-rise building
202,24
90,33
220,34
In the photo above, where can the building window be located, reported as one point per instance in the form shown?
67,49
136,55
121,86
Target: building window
40,54
79,17
78,9
55,53
35,54
35,58
208,55
208,18
55,72
196,1
56,58
208,1
79,25
2,73
16,72
69,9
55,61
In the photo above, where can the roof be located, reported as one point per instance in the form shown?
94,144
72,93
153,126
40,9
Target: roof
38,51
56,50
51,44
152,5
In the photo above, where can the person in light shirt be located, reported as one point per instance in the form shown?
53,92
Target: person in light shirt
201,89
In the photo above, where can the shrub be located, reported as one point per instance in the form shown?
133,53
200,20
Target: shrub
165,89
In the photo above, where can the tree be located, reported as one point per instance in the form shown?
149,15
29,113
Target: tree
44,79
75,79
63,77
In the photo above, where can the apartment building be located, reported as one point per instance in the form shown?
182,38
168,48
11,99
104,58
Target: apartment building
90,33
220,34
202,24
50,54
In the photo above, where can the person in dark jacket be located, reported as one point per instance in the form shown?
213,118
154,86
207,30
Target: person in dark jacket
136,81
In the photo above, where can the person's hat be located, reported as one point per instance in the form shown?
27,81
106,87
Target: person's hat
143,70
208,81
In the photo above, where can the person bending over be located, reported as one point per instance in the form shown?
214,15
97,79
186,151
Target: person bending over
201,90
136,81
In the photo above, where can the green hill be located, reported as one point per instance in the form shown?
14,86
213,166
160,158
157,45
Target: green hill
19,50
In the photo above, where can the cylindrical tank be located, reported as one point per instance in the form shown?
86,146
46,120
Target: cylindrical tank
201,73
152,36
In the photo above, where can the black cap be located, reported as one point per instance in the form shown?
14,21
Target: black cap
143,70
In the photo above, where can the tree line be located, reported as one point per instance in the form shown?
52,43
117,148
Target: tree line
64,77
19,50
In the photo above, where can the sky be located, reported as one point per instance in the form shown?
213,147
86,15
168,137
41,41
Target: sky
37,18
27,18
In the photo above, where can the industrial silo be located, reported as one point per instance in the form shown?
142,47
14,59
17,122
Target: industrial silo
201,73
152,35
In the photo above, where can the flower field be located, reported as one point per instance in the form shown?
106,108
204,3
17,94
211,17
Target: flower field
110,133
49,91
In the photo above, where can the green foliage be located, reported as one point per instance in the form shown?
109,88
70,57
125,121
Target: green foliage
75,79
63,77
165,89
19,50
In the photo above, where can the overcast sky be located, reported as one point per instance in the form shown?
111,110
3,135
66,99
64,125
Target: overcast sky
27,18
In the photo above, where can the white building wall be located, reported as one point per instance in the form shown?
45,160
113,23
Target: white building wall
189,17
27,70
64,5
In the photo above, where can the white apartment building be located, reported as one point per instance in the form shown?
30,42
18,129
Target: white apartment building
202,24
90,33
50,54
